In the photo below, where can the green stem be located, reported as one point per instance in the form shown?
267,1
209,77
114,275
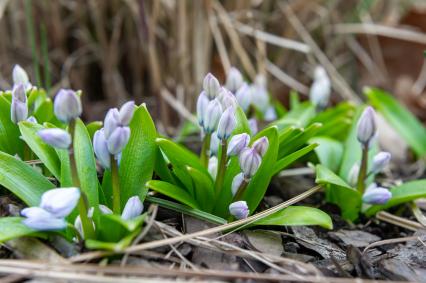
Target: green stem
204,155
363,170
27,152
221,167
116,202
89,231
241,190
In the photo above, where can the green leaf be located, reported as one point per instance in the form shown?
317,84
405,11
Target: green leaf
401,194
22,180
138,158
289,159
86,164
173,192
203,189
93,127
44,111
297,216
112,246
242,125
339,192
12,227
44,152
299,116
329,152
297,141
401,119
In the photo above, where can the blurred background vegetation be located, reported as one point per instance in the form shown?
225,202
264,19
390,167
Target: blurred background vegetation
158,51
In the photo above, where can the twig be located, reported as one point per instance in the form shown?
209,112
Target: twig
177,105
286,79
398,221
218,40
390,241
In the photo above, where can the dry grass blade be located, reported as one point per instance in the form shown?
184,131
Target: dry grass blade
391,241
236,224
218,40
285,78
111,273
178,106
399,221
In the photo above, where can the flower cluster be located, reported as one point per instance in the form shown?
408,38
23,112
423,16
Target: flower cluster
366,134
113,137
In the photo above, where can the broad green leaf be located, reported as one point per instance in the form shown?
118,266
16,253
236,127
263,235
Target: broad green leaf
9,132
66,178
22,180
289,159
290,145
405,123
161,168
203,189
138,158
329,152
242,123
401,194
44,111
86,164
112,246
93,127
339,192
44,152
259,182
12,227
297,216
299,117
173,192
185,179
130,225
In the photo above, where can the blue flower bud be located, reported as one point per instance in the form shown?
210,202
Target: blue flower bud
260,97
270,114
111,122
234,80
212,167
118,140
214,144
236,183
212,116
243,96
67,105
237,144
226,124
19,107
376,195
239,209
366,127
132,209
104,209
19,76
202,104
227,99
39,219
211,86
380,161
55,137
353,175
126,113
319,93
32,119
100,147
60,202
261,145
249,162
253,126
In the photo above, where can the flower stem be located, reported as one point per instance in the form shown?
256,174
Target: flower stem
241,190
221,167
116,202
363,170
204,155
83,209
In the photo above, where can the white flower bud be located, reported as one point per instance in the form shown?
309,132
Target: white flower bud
211,86
60,202
212,116
243,96
380,161
236,183
32,119
67,105
105,209
19,107
19,76
227,99
126,113
212,168
249,161
39,219
237,144
239,209
132,209
260,98
111,122
261,145
100,147
376,195
253,126
234,80
270,114
353,175
214,144
55,137
202,104
118,140
319,93
367,127
226,124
